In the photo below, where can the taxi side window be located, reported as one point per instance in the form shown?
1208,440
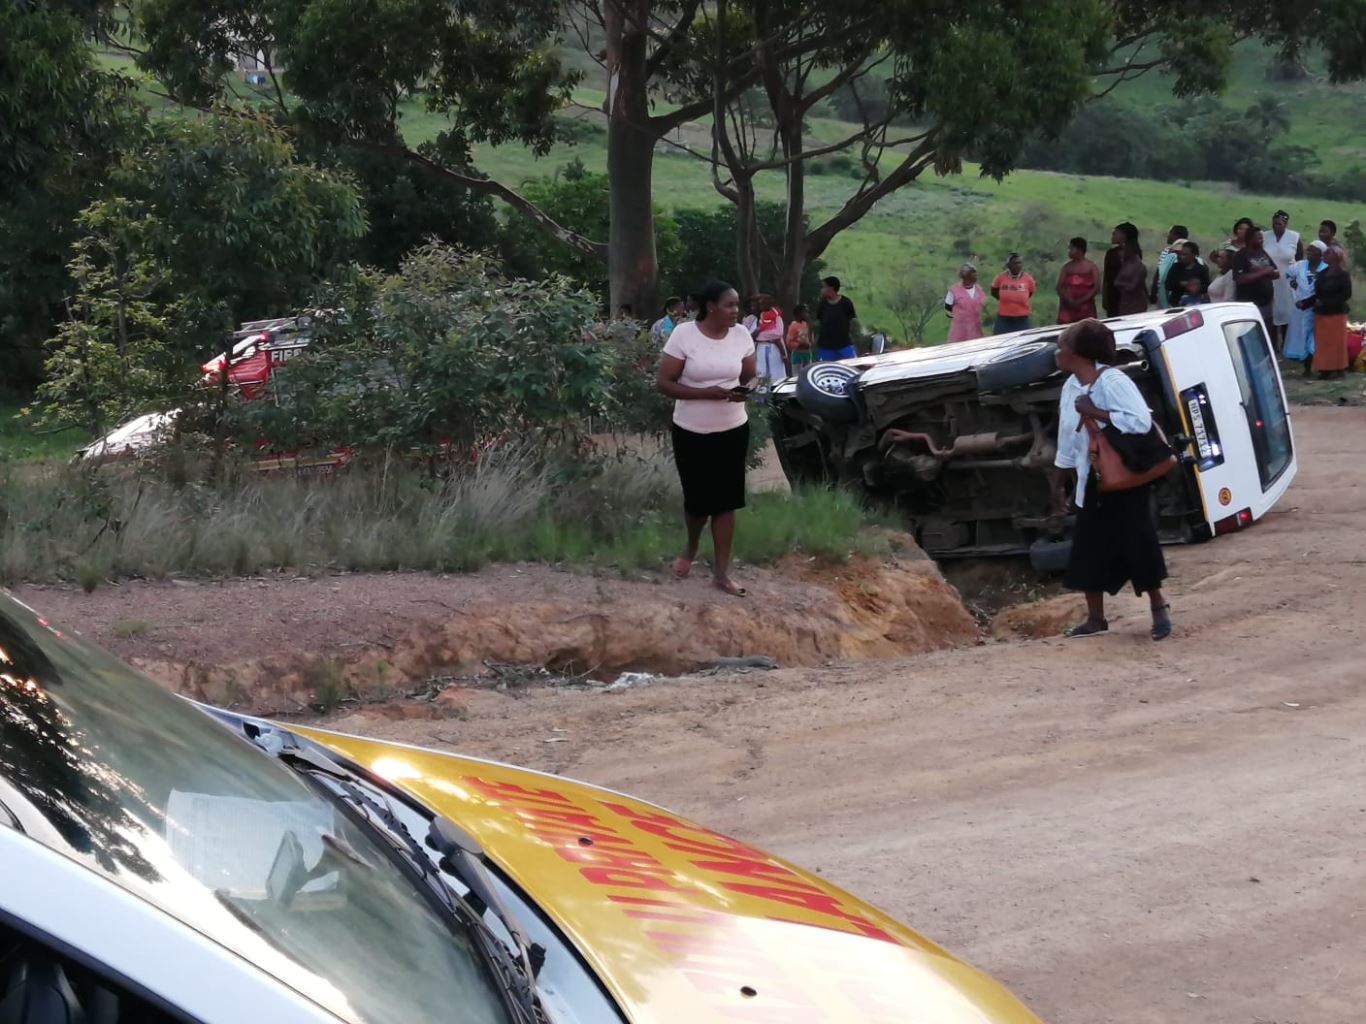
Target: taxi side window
40,984
1267,421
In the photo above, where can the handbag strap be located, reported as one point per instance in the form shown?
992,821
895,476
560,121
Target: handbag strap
1092,427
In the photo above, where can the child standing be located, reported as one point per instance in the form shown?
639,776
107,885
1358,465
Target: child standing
799,336
1195,294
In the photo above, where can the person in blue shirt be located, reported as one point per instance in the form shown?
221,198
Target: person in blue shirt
1299,334
664,326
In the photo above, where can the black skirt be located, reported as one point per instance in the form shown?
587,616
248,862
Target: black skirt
1115,542
711,468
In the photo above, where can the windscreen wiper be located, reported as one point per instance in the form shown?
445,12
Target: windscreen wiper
463,857
369,802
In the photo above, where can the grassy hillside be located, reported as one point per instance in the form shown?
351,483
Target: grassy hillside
1323,117
922,233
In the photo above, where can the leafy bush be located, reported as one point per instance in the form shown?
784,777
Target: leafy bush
201,221
1195,140
448,353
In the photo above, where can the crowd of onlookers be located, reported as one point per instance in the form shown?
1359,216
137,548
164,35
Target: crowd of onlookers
1302,291
782,346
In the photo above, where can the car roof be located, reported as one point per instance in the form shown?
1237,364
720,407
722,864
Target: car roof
947,359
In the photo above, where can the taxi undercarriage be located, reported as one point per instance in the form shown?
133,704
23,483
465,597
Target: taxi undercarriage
974,478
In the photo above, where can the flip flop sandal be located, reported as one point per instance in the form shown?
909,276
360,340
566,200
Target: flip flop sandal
682,567
1087,628
729,587
1162,630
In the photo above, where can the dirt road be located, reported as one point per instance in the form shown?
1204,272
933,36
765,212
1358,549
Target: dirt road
1120,831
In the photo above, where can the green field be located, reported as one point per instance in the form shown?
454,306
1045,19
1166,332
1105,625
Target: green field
21,442
922,233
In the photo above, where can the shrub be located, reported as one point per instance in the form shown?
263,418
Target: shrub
449,353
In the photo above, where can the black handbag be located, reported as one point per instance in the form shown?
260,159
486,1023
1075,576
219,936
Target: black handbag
1140,452
1125,461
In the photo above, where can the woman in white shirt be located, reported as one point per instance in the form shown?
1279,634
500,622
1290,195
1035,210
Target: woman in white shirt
1115,539
1284,248
707,363
1222,287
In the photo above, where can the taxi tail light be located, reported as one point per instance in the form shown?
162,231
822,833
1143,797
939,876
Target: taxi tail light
1182,324
1232,524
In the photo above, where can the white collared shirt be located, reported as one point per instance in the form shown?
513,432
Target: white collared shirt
1114,392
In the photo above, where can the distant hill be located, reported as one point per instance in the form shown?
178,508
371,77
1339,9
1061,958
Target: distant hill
1323,117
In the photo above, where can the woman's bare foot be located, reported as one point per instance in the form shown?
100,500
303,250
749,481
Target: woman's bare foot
726,584
682,567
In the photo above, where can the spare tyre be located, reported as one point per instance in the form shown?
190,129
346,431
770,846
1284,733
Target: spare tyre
829,390
1024,364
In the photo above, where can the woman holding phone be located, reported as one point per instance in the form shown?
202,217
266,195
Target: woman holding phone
708,369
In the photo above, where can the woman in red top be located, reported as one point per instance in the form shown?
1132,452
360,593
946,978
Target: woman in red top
1078,285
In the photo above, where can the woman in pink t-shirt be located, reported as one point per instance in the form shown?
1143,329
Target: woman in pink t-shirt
964,304
706,368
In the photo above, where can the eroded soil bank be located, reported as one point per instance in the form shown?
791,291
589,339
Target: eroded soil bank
287,646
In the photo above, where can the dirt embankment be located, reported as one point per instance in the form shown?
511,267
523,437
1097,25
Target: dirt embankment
285,646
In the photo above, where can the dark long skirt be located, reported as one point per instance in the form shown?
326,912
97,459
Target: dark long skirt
1115,542
711,468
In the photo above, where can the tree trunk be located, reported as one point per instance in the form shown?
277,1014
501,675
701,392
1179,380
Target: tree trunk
632,266
748,248
792,260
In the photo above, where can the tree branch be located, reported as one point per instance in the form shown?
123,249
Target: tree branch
741,73
672,39
275,81
848,73
861,202
834,147
489,187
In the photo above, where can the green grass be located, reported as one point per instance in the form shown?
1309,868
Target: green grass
1309,390
127,629
20,441
923,232
620,516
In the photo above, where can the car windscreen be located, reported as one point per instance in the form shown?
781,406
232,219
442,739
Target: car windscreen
107,768
1263,404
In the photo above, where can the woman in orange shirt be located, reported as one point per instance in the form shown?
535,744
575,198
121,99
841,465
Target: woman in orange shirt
799,336
1012,291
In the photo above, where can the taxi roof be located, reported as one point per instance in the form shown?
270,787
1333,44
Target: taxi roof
943,360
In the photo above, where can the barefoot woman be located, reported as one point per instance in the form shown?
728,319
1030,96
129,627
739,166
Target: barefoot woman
705,363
